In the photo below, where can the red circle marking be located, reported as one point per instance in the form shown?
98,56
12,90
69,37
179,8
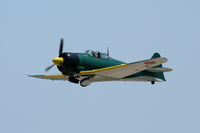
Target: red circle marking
149,62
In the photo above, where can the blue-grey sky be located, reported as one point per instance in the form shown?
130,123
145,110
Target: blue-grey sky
29,39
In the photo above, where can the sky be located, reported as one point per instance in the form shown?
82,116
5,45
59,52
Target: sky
133,30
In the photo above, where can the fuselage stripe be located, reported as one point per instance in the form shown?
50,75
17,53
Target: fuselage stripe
102,69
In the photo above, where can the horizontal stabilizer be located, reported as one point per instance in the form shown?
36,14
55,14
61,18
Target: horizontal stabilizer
154,70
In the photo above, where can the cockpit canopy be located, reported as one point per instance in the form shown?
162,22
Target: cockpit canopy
96,54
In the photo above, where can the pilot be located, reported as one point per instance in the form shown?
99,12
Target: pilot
98,55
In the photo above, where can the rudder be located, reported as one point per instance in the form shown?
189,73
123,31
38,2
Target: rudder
159,75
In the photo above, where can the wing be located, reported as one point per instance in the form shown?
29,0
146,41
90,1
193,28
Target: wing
94,78
125,70
51,77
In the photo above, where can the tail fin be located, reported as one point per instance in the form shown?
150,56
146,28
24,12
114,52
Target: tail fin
159,75
155,55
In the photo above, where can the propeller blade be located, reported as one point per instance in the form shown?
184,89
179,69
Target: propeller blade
48,68
61,47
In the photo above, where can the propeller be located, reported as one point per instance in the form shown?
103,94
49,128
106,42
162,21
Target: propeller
48,68
60,54
61,47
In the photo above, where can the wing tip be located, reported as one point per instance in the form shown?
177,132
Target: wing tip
35,76
28,75
170,69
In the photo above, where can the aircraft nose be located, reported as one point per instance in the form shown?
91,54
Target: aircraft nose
58,61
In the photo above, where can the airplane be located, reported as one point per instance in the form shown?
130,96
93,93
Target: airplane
94,66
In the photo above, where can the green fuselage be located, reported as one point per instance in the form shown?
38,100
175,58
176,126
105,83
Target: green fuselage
88,62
